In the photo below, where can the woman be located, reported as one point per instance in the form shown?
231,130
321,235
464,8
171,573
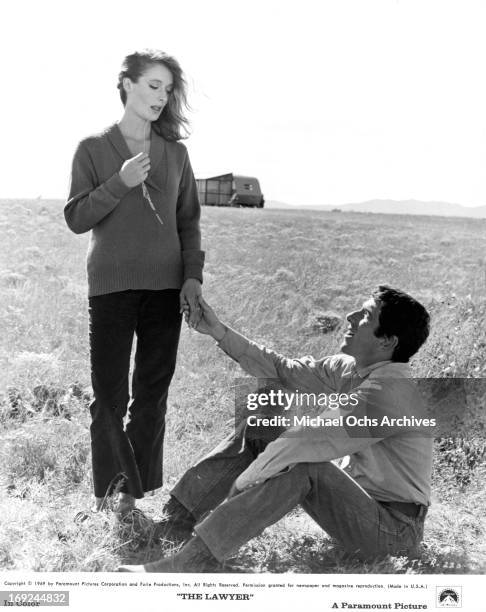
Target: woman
133,187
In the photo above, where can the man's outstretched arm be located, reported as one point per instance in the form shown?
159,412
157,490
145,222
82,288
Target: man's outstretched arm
302,374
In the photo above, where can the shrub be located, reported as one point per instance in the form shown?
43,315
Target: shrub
458,458
52,452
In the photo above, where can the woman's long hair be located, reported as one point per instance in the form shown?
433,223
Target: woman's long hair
172,123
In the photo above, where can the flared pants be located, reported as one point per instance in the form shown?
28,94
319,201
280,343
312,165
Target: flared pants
132,451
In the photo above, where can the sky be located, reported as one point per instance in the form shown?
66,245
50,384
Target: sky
326,102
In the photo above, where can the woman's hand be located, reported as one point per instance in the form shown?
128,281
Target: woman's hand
208,323
189,297
135,170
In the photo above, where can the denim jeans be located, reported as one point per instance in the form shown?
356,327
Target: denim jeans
134,450
328,494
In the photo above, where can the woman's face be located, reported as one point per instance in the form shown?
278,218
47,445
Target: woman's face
148,96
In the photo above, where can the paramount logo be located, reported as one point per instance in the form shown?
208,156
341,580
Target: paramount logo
449,597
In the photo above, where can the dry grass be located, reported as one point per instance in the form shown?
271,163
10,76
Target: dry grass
279,277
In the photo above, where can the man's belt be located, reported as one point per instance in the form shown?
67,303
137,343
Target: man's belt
408,508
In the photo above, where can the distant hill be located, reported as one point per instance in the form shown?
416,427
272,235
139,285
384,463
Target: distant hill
400,207
393,207
277,204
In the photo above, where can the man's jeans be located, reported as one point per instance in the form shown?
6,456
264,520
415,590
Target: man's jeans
137,450
331,497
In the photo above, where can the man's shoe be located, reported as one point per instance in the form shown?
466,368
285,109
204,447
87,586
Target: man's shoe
172,531
178,524
175,511
194,557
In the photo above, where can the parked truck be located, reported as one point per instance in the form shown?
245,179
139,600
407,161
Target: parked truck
230,190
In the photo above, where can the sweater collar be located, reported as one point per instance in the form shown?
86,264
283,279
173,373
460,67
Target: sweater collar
157,176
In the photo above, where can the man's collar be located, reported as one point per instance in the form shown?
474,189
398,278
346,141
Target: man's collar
393,368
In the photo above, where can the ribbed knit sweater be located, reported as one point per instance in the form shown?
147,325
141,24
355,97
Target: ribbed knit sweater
129,248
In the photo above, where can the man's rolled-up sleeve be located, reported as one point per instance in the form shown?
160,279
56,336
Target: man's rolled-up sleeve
301,374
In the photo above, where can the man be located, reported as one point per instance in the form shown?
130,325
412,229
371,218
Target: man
374,506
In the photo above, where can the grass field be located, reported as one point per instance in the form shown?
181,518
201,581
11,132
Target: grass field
272,275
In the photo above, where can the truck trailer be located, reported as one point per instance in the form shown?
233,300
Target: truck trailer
230,190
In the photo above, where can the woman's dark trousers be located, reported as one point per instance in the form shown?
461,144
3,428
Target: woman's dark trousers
136,449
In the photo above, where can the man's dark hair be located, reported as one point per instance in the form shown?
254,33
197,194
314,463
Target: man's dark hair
401,316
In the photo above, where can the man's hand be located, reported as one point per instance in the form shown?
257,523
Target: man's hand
209,323
135,170
190,297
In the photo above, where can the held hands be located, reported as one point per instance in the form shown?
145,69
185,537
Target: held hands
189,297
135,170
208,322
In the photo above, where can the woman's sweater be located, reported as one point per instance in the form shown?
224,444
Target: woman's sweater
129,248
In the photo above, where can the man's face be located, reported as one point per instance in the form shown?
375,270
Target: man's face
359,340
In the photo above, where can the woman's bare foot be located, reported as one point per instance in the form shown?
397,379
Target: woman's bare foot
84,515
125,504
98,504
